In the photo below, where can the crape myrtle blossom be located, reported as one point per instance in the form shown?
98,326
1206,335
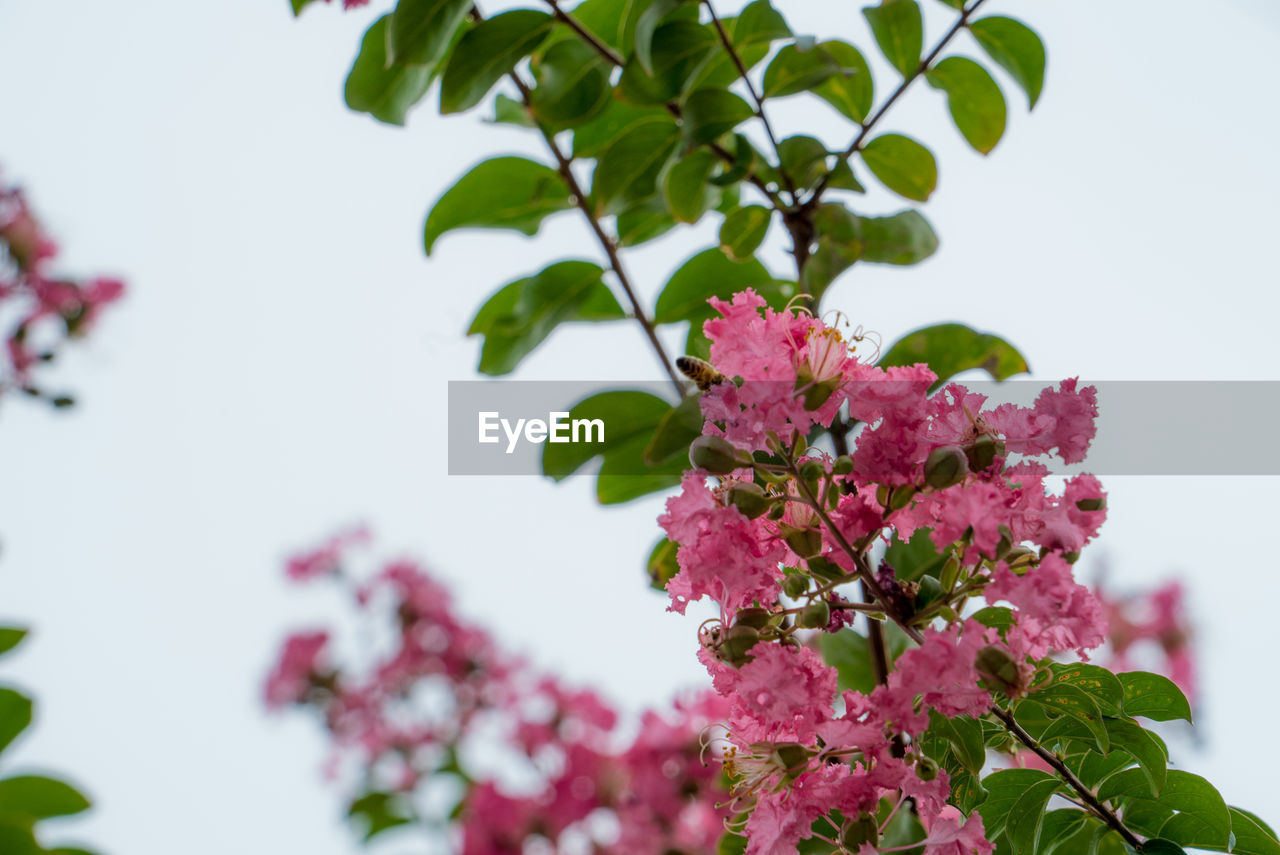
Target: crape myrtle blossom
40,310
773,542
404,717
1151,625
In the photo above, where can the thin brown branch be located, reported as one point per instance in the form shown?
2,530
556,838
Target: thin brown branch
607,243
870,124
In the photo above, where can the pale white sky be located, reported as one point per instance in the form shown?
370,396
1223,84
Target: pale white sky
279,369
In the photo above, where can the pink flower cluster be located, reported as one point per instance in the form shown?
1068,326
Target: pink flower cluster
1151,629
410,714
44,311
772,543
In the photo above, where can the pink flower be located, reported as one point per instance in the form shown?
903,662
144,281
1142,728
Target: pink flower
1053,612
299,662
950,833
327,559
940,675
785,690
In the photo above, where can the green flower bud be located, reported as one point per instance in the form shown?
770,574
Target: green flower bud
817,394
749,498
815,615
792,756
1019,554
738,641
1006,541
926,768
795,585
998,671
714,454
805,542
1096,504
900,497
983,452
945,466
843,465
950,574
863,829
752,616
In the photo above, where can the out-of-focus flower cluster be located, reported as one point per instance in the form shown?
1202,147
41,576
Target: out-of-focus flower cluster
773,531
439,699
1152,631
40,310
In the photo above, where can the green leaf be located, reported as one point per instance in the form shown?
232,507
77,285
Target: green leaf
902,238
1017,49
999,618
679,427
644,221
383,89
965,735
803,158
611,21
523,313
685,186
15,715
26,799
974,99
903,165
1159,846
421,31
967,791
298,6
646,25
1130,737
592,138
758,24
1064,827
851,89
662,565
626,414
793,70
486,53
914,558
377,812
849,653
949,349
11,637
1004,789
1189,811
624,475
711,113
1153,696
1099,683
509,111
899,31
1252,835
1023,822
573,84
627,171
502,192
680,47
708,274
744,230
1072,701
731,844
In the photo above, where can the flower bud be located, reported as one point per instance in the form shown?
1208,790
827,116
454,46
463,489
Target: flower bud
1019,554
1098,503
824,568
738,641
805,542
901,496
749,498
998,671
926,768
753,616
714,454
950,574
945,466
815,615
778,511
863,829
795,585
792,757
983,452
1006,541
817,394
843,465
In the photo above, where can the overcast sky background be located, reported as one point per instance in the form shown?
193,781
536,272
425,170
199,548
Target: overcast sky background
279,370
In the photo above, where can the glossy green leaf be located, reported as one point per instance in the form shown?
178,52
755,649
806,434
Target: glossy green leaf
11,637
1189,811
592,138
18,840
420,31
1153,696
999,618
626,414
949,349
383,89
1025,816
899,31
974,99
902,238
849,653
758,24
30,798
1004,788
298,6
903,165
1150,755
1099,683
708,274
965,735
644,221
662,565
488,52
646,26
967,791
851,89
1252,835
1158,846
502,192
523,313
624,475
509,111
744,230
686,188
793,71
15,715
803,158
1063,828
1094,768
711,113
376,812
1016,48
914,558
627,171
842,178
572,84
611,21
680,47
1072,701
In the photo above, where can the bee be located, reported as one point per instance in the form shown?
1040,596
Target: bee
701,372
